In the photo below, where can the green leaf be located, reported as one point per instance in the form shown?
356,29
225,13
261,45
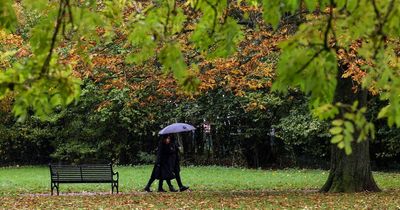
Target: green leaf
311,4
42,34
361,137
349,126
326,111
56,100
384,112
271,12
8,18
291,5
348,137
177,21
87,21
341,145
337,122
172,59
20,110
312,70
351,5
354,106
340,3
371,128
141,37
347,148
335,130
226,39
336,139
218,40
349,116
38,5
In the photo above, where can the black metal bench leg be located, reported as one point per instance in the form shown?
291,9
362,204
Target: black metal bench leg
54,185
114,185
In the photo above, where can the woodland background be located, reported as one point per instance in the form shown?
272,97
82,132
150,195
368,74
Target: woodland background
123,106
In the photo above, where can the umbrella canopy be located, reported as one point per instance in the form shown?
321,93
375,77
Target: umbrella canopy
176,128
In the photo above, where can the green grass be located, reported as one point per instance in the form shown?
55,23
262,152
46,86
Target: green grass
36,179
217,187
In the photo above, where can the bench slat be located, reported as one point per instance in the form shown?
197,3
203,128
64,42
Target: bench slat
84,173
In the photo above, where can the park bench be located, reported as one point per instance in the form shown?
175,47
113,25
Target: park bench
96,173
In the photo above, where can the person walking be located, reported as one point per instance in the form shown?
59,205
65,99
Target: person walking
164,167
175,161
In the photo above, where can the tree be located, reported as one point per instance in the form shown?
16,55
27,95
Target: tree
309,59
316,60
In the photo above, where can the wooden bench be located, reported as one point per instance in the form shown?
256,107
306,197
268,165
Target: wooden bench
97,173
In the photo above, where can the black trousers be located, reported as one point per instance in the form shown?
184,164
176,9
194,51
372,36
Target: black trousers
178,179
160,183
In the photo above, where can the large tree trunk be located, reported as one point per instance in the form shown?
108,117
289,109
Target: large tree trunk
350,173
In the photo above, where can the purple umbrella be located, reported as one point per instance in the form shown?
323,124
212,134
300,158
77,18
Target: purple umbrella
176,128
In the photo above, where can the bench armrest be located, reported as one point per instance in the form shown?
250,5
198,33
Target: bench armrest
53,173
116,173
57,178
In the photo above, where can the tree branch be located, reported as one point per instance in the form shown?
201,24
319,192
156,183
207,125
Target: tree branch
61,13
167,21
328,26
311,60
214,7
381,23
71,18
376,10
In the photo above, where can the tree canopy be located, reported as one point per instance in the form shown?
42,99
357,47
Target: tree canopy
49,48
360,34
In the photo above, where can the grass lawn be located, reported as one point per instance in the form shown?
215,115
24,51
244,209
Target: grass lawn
211,187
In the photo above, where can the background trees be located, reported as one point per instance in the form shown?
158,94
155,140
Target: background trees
122,46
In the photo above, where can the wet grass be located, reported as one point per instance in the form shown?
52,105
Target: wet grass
23,180
211,187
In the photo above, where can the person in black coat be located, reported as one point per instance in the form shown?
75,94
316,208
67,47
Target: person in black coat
165,165
175,160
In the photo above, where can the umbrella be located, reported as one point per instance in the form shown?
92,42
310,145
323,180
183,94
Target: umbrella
176,128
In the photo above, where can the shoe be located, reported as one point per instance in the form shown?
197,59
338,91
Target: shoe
161,190
183,188
172,189
147,189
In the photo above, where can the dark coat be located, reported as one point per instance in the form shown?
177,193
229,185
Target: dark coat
166,162
176,158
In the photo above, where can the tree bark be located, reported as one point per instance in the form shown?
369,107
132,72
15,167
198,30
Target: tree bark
350,173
